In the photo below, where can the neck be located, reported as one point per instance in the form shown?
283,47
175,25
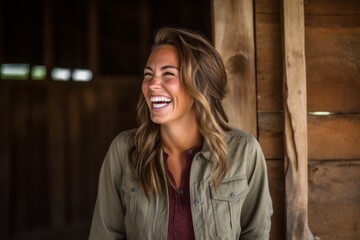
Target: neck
179,138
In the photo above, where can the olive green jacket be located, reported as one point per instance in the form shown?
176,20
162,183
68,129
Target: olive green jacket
240,208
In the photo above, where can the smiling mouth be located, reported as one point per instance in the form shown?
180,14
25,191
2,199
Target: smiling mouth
160,102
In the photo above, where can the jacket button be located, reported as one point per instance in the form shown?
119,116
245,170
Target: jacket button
233,195
197,202
198,157
132,189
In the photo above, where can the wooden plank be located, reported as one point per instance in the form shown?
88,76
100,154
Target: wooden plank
334,137
269,62
295,120
334,197
277,191
271,134
268,6
56,155
5,162
233,23
333,66
336,7
331,137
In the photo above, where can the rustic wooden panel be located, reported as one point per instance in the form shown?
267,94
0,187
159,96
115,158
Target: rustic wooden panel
335,7
277,192
329,137
333,67
268,6
269,62
334,199
271,135
235,42
334,137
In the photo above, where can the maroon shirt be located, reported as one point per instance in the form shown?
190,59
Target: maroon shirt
180,220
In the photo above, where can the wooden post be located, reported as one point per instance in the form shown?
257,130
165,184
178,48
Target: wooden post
233,23
295,120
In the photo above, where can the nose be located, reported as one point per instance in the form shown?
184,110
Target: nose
155,83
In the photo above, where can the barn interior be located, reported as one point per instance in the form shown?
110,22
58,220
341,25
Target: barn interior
71,74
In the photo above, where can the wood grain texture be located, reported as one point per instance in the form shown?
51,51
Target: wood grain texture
277,192
334,199
334,137
269,63
271,134
335,7
295,121
333,64
235,42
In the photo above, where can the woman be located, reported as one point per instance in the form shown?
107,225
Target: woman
184,173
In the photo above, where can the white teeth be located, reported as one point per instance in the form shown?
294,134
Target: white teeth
159,105
160,99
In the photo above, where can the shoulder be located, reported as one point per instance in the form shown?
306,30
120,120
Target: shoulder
119,153
124,140
243,150
236,136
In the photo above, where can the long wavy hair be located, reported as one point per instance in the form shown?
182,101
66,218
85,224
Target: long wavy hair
203,76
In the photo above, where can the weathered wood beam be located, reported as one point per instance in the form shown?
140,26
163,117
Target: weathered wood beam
233,34
295,121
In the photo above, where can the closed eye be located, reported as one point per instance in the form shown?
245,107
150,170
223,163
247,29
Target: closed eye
169,74
148,75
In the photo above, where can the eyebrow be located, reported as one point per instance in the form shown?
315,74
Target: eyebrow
162,68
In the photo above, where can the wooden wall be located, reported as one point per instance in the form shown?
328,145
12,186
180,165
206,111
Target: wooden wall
333,72
332,78
332,37
54,135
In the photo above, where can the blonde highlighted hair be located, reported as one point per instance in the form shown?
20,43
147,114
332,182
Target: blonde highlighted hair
203,76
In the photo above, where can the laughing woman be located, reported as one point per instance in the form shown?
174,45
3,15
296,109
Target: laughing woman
183,173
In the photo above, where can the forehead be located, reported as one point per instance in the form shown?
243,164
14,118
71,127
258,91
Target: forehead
164,54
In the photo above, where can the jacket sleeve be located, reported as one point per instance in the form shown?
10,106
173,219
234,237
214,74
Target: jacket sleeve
257,208
108,217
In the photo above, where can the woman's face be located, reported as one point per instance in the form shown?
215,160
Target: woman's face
166,98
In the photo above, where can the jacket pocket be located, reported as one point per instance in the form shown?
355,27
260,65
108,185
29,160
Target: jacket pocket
227,201
135,202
